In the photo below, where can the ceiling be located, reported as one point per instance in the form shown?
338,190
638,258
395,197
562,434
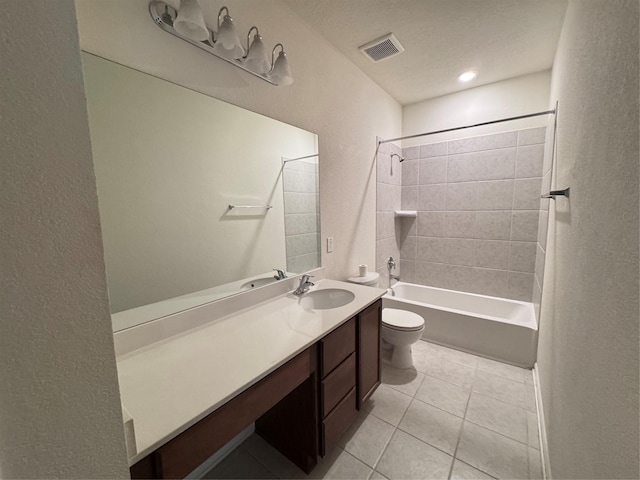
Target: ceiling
500,39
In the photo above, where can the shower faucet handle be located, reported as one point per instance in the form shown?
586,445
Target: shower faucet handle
391,264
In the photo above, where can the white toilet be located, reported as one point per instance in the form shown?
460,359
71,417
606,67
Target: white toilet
400,328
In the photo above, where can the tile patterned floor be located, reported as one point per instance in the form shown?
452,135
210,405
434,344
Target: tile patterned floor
454,416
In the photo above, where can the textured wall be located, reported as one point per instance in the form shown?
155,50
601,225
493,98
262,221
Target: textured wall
509,98
588,346
478,207
330,97
60,413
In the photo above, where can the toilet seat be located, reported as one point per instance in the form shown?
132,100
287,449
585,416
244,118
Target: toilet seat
401,320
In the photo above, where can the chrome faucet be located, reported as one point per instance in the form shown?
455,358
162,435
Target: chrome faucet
391,265
305,284
280,275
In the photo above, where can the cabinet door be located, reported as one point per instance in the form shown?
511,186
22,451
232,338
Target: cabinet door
369,325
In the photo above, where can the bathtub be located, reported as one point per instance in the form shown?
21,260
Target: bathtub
497,328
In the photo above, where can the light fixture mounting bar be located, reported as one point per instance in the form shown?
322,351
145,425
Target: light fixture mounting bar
163,16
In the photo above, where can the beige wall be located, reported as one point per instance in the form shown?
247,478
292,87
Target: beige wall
330,97
588,347
516,96
60,413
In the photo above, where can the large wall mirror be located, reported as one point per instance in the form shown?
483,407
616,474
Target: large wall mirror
169,163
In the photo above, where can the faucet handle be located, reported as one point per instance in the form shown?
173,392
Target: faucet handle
391,264
281,275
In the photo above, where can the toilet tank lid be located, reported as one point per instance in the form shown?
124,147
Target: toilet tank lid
369,278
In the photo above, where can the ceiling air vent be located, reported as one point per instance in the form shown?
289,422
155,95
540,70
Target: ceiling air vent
381,48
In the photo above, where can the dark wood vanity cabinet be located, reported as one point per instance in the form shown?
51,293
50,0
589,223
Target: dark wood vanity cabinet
338,406
369,372
302,408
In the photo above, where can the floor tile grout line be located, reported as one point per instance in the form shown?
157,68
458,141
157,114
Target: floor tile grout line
352,455
425,441
384,449
502,399
381,419
526,444
455,451
502,376
439,408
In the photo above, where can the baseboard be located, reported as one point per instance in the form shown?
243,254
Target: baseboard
542,431
221,454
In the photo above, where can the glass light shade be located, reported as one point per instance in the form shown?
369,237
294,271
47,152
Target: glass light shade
227,40
257,60
281,73
190,21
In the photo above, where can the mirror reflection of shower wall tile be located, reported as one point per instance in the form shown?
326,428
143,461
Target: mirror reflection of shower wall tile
301,215
479,224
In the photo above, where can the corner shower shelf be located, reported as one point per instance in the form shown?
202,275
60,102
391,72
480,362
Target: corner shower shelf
406,213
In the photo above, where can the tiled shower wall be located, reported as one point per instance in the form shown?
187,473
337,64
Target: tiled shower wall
478,203
389,194
301,215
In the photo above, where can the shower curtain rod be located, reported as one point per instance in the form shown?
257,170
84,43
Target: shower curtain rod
285,160
519,117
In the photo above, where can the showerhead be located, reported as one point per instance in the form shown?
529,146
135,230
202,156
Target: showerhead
400,159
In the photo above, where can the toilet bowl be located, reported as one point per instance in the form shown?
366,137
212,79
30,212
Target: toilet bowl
400,330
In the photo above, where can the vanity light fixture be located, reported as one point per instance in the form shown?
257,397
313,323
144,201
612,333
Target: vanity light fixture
280,72
256,58
188,24
227,42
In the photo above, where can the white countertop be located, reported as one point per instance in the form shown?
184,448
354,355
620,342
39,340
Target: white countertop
170,385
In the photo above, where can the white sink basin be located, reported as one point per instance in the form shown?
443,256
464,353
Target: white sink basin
325,299
258,282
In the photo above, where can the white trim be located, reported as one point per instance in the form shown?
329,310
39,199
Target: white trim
542,431
221,454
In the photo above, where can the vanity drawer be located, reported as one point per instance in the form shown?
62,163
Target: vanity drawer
337,346
339,420
338,383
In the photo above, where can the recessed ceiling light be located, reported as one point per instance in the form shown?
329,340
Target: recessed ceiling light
467,76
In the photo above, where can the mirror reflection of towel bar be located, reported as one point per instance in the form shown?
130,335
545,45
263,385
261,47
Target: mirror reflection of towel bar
556,193
268,207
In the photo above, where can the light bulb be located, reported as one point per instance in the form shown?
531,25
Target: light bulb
467,76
